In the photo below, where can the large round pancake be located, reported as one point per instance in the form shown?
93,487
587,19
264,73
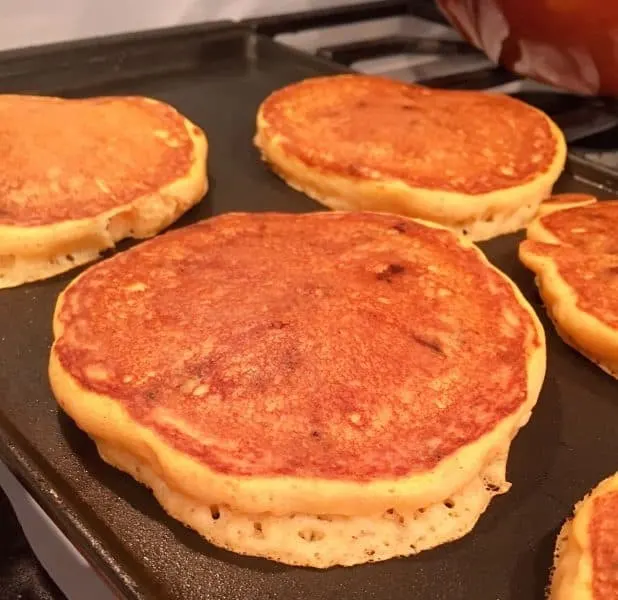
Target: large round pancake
321,364
587,548
79,175
574,253
479,163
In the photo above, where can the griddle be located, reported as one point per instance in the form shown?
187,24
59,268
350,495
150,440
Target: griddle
217,75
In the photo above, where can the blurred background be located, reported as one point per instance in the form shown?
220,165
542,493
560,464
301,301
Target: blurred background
32,22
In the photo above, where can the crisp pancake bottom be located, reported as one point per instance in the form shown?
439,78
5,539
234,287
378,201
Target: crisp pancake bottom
80,175
318,381
478,163
587,548
323,541
573,250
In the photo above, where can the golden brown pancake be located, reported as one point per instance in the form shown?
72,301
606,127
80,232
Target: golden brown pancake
574,254
562,201
79,175
475,162
310,388
586,563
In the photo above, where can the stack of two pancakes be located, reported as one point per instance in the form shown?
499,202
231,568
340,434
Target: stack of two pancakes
330,407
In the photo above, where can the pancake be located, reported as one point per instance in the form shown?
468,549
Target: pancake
475,162
563,201
587,549
308,388
80,175
574,254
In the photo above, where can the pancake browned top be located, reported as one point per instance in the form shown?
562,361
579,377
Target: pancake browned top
593,277
332,345
368,127
592,228
586,255
603,534
71,159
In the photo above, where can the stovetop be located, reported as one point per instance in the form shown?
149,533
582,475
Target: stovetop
410,41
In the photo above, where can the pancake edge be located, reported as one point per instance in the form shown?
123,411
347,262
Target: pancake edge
549,205
40,252
104,418
478,217
573,565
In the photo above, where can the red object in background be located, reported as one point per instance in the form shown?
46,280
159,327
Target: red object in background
571,44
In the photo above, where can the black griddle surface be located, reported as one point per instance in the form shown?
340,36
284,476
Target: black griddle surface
218,78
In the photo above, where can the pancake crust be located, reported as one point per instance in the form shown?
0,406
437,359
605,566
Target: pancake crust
574,253
587,550
79,175
479,163
325,364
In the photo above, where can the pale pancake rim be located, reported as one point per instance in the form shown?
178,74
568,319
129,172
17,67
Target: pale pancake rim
573,575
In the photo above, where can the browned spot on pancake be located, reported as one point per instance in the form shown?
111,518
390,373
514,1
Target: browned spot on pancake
353,170
428,343
371,127
73,159
603,532
388,273
261,345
